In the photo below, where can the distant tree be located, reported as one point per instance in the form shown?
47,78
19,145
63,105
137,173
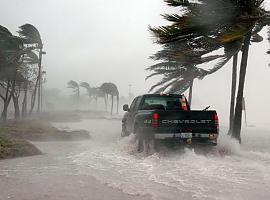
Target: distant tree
88,89
111,89
97,93
76,88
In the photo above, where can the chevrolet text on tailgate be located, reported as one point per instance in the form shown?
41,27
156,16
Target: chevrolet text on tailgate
155,117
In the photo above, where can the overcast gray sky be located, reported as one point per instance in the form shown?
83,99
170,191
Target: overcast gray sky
100,41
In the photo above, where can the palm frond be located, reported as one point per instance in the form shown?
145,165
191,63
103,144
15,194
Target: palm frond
4,32
73,84
237,31
180,86
31,58
176,3
30,34
230,50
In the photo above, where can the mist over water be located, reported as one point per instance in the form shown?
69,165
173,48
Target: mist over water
229,171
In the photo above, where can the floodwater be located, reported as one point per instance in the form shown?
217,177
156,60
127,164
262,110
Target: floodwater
229,171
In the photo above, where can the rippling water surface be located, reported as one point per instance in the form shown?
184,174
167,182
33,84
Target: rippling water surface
226,172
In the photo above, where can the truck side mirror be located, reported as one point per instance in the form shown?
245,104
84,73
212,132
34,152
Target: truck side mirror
126,107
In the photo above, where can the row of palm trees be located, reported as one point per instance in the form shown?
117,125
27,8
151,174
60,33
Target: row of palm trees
104,91
196,34
20,69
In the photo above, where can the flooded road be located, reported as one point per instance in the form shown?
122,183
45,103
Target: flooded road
67,169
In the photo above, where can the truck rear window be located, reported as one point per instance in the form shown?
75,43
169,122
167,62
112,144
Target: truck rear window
162,103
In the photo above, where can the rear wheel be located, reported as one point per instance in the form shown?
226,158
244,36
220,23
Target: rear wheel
124,132
141,140
145,142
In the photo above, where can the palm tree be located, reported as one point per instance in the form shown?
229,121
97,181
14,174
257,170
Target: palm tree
111,89
97,93
28,70
31,36
233,90
226,24
11,51
88,89
75,87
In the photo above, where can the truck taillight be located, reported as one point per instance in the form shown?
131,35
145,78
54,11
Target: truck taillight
184,103
216,120
155,120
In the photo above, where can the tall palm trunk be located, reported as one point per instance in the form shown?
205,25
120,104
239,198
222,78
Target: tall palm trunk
16,106
39,80
233,90
117,103
106,102
33,97
8,96
24,103
112,105
190,93
236,133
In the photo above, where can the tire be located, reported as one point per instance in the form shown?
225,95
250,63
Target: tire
141,140
146,143
124,132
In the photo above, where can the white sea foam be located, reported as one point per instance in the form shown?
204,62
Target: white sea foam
228,171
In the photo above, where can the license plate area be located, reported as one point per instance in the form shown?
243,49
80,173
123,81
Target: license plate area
185,135
173,135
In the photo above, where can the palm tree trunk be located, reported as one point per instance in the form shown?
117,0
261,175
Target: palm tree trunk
39,80
190,93
233,90
117,103
112,105
106,102
7,99
16,107
24,103
4,111
237,122
33,97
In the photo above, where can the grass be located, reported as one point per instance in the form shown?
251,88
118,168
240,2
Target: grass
11,147
41,130
15,137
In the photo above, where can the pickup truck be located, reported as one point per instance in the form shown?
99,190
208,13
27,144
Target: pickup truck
155,117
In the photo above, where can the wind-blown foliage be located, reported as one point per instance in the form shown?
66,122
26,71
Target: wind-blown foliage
30,35
201,28
18,66
110,89
73,85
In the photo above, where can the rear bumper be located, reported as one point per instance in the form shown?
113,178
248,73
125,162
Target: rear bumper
194,138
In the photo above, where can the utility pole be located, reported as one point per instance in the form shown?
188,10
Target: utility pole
40,79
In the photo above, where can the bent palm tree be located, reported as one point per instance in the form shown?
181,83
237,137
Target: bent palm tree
31,36
222,28
87,88
11,51
75,88
111,89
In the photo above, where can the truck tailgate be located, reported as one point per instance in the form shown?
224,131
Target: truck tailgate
187,121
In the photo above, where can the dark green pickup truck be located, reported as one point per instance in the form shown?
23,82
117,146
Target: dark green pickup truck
168,117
